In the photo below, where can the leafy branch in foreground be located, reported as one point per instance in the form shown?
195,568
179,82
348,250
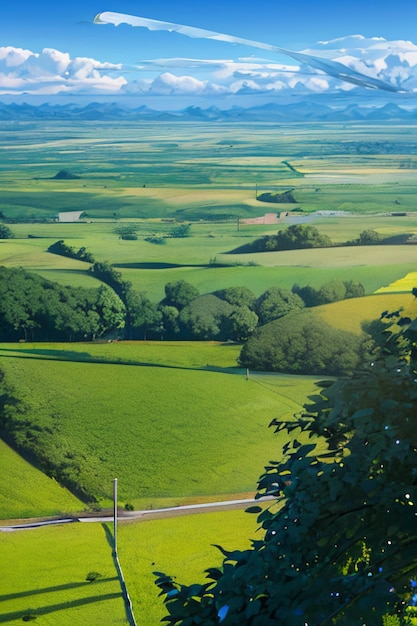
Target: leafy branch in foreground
339,544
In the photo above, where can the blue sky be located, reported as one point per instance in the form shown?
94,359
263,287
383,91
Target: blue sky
117,54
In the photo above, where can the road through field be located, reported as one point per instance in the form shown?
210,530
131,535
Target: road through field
175,511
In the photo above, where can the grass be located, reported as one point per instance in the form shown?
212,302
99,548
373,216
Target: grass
139,422
44,570
44,576
351,314
149,267
181,547
123,168
137,410
27,491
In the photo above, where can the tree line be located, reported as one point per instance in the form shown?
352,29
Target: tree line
302,236
35,309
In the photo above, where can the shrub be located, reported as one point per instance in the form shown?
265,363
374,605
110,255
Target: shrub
302,344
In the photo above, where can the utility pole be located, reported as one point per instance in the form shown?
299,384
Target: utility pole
115,516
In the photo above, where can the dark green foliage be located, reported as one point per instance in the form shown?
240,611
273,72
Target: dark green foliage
333,291
126,232
145,316
301,236
206,318
286,197
37,309
114,279
367,238
66,175
295,237
180,231
170,327
338,546
302,344
5,232
354,289
308,294
60,247
238,296
243,323
275,303
179,294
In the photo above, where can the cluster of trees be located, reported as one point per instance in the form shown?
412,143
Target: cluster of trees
301,236
5,232
338,543
63,249
36,309
286,197
304,344
32,308
231,314
128,231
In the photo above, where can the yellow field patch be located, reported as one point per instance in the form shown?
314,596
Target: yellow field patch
351,314
404,284
179,196
252,161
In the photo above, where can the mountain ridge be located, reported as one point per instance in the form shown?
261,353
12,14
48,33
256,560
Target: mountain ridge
304,110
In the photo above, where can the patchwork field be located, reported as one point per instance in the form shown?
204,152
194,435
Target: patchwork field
194,170
175,422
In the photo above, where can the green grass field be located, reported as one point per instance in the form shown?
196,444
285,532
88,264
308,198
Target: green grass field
138,169
139,410
147,418
149,267
44,576
60,594
26,491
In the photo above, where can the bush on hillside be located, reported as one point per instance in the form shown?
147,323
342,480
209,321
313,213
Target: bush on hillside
275,303
302,344
206,318
295,237
61,248
5,232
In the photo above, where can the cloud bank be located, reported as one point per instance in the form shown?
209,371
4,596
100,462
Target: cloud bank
331,67
53,72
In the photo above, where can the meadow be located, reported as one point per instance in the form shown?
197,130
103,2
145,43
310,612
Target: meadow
61,594
195,171
136,410
148,417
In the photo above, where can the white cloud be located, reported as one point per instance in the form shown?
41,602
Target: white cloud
52,71
169,84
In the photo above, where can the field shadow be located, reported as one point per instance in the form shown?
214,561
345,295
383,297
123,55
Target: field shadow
125,593
167,266
56,588
85,357
56,355
154,266
31,614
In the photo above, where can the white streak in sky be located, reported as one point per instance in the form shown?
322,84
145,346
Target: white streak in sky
329,67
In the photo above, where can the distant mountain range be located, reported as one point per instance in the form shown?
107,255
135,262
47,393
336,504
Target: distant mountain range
295,112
